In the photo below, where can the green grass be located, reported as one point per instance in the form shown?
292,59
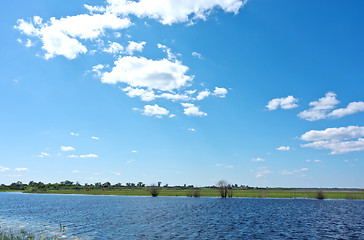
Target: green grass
208,192
21,234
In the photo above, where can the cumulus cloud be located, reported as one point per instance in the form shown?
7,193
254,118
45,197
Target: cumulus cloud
3,169
284,103
61,36
155,110
338,140
323,108
220,92
152,74
21,169
352,108
96,138
134,151
203,94
283,148
169,11
114,48
74,134
191,110
134,47
334,133
258,160
145,95
72,156
320,108
192,129
66,149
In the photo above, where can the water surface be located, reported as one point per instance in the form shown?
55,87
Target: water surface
131,217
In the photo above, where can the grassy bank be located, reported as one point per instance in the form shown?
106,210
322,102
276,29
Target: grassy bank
9,234
210,192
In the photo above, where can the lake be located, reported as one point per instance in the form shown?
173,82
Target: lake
130,217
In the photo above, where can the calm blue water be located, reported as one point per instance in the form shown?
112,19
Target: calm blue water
124,217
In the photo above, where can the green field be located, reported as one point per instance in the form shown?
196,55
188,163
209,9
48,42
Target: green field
210,192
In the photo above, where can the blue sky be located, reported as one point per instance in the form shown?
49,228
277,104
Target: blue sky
183,92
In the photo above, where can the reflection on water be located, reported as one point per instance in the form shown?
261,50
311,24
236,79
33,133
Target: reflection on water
124,217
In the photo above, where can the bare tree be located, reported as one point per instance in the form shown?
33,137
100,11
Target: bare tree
223,187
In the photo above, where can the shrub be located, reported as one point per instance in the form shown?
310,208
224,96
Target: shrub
320,195
154,190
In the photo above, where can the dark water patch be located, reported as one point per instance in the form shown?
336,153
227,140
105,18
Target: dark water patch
121,217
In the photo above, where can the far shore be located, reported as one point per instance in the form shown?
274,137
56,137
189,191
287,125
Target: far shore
211,192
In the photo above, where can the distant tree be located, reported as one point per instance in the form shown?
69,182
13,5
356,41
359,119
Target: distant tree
159,184
223,188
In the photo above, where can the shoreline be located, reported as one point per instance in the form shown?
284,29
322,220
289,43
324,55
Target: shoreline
269,194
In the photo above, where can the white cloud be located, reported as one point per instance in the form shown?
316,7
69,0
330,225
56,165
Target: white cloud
172,115
72,156
3,169
285,172
96,138
170,55
317,160
340,133
352,108
155,110
59,35
336,139
319,109
283,148
91,155
75,171
44,154
116,173
74,134
134,151
258,160
262,171
152,74
191,110
98,70
21,169
190,92
169,11
224,165
220,92
203,94
134,46
114,48
192,129
145,95
29,43
174,96
66,149
285,103
197,55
